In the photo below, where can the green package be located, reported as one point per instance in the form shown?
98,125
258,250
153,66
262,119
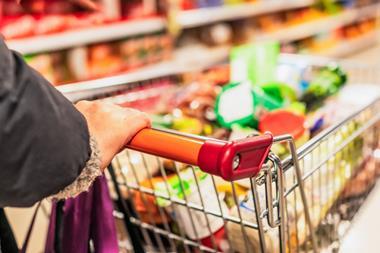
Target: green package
255,62
242,104
326,83
179,187
280,92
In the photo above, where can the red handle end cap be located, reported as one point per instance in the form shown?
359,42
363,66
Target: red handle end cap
235,160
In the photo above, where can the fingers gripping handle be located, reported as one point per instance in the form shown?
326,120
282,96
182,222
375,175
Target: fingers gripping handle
232,160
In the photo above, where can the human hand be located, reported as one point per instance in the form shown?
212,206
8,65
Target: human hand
112,126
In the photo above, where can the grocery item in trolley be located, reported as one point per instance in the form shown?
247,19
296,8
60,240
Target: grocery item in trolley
327,82
196,189
281,122
302,202
237,234
239,103
256,63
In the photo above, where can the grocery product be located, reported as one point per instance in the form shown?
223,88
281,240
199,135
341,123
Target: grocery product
103,60
327,82
52,66
256,62
247,109
33,17
281,92
197,100
136,166
44,64
296,74
152,96
205,226
280,122
188,125
236,232
216,35
283,122
145,204
195,187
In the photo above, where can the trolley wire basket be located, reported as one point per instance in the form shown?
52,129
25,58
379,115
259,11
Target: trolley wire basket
183,193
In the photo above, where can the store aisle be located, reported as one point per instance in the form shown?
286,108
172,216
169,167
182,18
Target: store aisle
363,236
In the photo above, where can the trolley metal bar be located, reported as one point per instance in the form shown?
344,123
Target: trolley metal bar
265,214
311,144
169,235
199,207
357,133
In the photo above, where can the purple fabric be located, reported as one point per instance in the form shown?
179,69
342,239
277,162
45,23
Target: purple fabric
88,216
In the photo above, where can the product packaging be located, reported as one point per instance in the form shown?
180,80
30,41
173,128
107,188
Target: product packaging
281,92
256,63
282,122
247,213
296,74
196,188
327,82
239,103
103,60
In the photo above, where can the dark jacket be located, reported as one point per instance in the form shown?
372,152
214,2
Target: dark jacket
44,140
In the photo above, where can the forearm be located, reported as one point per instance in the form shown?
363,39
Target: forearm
44,140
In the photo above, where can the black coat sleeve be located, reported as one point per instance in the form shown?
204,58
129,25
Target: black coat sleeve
44,140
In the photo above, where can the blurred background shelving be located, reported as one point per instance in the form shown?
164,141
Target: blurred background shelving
122,29
130,44
152,39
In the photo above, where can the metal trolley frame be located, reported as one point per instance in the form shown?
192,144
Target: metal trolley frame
293,205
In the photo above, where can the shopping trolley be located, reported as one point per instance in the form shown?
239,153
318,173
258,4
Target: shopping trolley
171,189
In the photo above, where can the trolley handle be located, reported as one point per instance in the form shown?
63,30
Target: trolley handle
231,160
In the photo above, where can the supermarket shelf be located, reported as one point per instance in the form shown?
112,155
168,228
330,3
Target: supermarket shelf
183,61
194,18
186,19
200,57
352,46
189,19
321,25
85,36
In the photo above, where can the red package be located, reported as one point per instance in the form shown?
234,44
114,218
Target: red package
34,6
60,7
86,19
22,26
137,9
103,60
12,8
53,23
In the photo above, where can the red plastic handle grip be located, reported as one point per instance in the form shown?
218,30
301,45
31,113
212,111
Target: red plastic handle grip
234,160
231,160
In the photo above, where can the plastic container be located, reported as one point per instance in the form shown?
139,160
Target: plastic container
281,122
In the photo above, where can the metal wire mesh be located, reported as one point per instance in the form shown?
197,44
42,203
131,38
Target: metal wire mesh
299,204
